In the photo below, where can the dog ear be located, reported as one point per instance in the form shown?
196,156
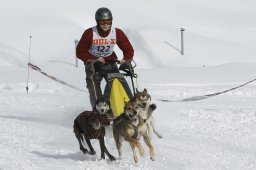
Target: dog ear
145,90
100,97
137,91
107,99
125,103
124,100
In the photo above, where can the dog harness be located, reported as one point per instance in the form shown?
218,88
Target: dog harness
123,117
136,132
93,132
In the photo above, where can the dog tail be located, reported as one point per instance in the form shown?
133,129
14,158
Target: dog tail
77,130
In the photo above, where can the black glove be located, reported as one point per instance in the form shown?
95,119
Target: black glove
126,67
98,66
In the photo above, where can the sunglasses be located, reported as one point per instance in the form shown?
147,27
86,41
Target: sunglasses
105,22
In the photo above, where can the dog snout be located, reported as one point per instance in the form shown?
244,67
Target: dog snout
102,110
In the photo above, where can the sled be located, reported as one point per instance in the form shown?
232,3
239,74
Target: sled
119,91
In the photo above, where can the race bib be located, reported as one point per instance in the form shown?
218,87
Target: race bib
102,46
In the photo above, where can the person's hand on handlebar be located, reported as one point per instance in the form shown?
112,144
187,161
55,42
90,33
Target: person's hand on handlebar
123,61
101,59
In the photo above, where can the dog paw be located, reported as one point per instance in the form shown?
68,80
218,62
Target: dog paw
152,159
92,153
135,159
85,151
112,158
153,106
160,137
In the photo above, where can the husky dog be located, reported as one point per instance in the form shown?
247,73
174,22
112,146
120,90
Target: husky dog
126,126
144,101
102,106
131,127
90,125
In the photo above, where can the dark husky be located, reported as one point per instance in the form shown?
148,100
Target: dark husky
90,125
144,100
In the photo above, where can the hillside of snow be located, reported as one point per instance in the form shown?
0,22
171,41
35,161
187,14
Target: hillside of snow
216,32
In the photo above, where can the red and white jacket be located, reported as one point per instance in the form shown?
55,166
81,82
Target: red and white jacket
84,47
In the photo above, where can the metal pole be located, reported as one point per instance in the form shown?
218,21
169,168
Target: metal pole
27,88
182,41
76,60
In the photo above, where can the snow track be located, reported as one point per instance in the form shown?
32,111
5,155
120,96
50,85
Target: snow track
217,133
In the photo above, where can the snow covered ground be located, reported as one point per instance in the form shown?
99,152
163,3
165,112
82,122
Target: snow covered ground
215,133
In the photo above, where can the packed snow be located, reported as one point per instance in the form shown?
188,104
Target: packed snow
216,133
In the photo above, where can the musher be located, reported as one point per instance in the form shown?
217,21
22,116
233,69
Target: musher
97,43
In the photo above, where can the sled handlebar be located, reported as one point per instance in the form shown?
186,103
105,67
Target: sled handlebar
125,67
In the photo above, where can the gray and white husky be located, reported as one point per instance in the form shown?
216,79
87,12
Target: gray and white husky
144,101
102,106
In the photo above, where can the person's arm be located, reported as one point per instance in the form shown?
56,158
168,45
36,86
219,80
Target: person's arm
84,45
125,45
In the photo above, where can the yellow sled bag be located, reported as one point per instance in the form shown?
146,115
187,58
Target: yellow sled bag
118,96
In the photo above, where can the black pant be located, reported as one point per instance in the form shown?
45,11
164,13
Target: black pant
93,82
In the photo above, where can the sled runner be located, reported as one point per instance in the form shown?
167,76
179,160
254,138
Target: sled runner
118,90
